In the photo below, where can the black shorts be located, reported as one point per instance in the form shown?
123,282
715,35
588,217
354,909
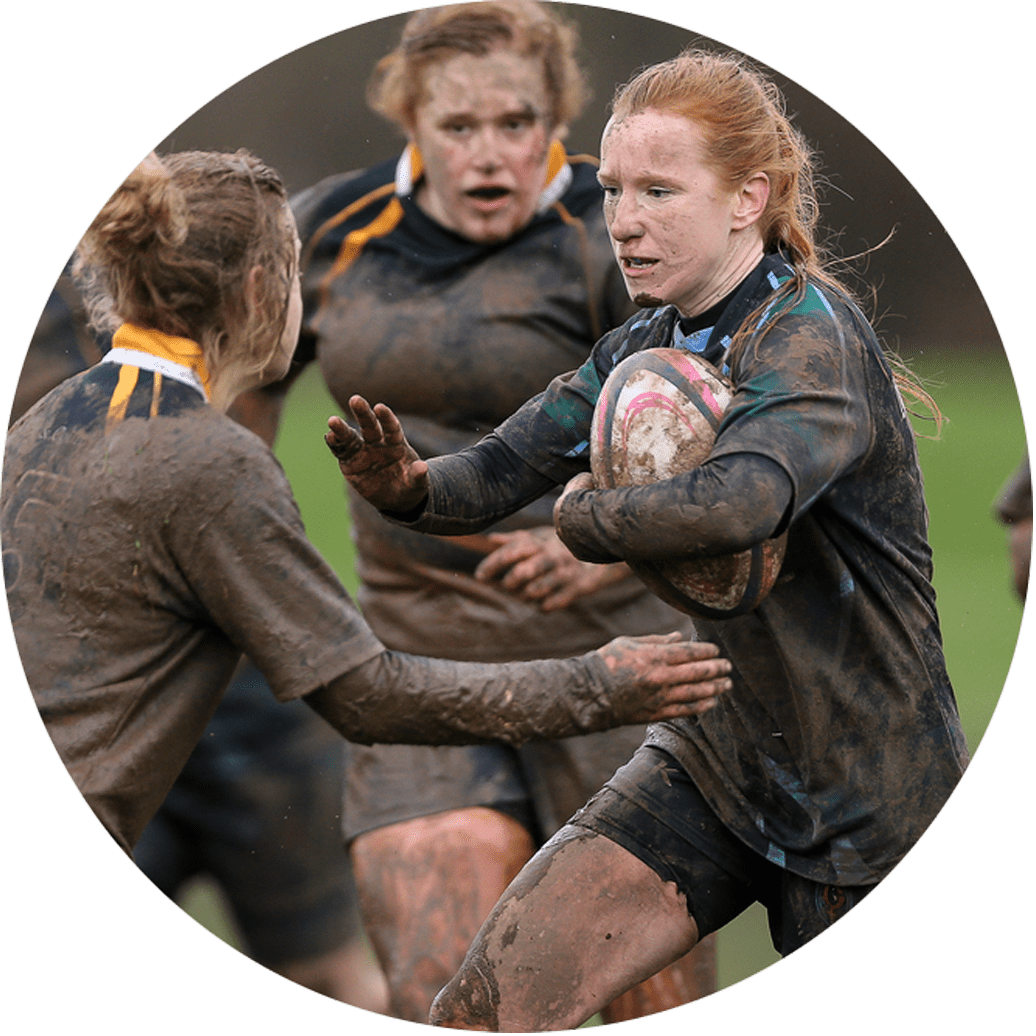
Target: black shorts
653,809
257,808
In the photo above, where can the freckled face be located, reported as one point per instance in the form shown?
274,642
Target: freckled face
676,229
482,126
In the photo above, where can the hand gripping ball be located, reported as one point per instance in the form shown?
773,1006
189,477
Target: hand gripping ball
657,416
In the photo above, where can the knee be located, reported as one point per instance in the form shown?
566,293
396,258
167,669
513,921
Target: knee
467,1002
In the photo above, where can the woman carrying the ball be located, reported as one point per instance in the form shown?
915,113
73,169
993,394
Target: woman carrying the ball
840,740
149,540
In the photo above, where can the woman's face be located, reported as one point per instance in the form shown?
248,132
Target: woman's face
679,234
482,126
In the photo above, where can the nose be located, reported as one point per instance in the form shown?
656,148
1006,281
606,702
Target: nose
485,150
623,217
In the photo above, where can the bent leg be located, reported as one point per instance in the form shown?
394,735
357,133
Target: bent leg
425,886
689,978
582,923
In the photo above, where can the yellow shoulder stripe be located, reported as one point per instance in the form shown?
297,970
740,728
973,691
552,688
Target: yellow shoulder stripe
340,217
121,396
382,224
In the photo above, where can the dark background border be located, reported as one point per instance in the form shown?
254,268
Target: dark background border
88,88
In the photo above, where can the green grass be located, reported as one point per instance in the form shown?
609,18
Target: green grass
981,443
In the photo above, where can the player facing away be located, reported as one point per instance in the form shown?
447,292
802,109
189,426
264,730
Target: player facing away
148,540
453,281
840,739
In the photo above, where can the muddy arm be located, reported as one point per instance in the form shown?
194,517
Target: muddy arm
400,698
727,505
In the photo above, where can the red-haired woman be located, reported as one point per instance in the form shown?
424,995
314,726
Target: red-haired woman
840,740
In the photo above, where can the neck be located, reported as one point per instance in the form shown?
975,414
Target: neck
741,262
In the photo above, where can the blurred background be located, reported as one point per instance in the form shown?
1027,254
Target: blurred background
305,114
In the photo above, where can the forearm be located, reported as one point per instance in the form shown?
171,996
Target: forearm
408,699
475,488
726,505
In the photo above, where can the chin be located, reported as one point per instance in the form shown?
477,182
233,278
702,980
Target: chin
646,300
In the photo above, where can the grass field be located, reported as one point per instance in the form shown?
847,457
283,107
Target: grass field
981,443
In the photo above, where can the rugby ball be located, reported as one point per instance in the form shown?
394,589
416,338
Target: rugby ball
658,416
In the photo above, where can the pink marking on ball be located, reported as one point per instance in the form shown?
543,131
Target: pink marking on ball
648,401
691,373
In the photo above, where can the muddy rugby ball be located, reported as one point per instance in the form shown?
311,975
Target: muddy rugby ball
657,416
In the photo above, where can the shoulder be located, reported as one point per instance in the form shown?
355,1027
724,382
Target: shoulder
346,196
818,317
219,463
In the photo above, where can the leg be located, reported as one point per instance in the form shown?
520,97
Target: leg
689,978
425,887
583,922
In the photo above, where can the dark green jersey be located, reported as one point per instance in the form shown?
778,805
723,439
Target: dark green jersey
840,740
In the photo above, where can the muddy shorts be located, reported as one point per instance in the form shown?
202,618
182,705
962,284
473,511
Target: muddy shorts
257,808
541,785
653,810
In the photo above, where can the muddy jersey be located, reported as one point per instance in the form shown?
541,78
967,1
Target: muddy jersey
145,547
840,739
454,336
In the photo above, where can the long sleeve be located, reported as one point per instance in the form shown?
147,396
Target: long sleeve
407,699
724,506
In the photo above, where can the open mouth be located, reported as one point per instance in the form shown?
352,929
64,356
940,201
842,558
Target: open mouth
636,263
488,193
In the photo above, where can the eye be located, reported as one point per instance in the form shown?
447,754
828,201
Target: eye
657,192
611,192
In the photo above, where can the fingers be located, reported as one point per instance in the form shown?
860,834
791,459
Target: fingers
505,557
694,680
341,440
675,711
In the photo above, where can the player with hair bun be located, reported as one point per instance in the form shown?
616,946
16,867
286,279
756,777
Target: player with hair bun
840,740
149,540
453,281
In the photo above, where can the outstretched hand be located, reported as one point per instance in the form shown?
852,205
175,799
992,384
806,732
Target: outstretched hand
665,676
377,461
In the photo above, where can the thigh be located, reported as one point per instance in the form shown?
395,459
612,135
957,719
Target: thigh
653,809
583,921
426,885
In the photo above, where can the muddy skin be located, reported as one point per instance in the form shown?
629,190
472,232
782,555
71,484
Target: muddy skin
480,850
559,948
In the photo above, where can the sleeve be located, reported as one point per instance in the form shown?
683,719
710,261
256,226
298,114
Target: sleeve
799,420
551,432
802,398
241,546
692,514
406,699
473,489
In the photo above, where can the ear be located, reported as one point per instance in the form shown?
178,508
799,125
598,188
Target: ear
750,201
254,285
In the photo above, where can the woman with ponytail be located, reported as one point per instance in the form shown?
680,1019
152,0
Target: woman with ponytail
149,540
840,739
